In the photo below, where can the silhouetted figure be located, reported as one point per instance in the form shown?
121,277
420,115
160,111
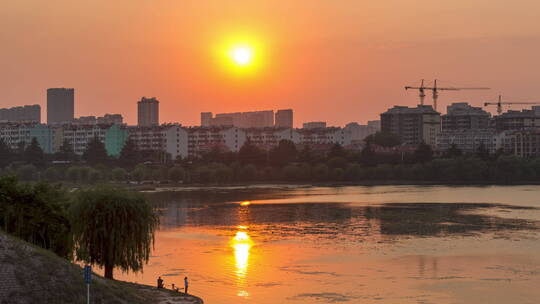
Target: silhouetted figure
175,288
186,284
159,283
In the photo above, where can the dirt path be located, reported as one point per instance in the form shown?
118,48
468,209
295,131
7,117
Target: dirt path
165,296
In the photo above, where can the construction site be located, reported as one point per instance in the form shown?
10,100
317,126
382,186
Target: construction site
514,129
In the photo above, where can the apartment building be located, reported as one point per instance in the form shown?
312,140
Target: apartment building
412,125
522,143
16,135
148,112
462,116
517,120
468,140
284,118
320,136
113,136
107,119
204,139
267,138
28,113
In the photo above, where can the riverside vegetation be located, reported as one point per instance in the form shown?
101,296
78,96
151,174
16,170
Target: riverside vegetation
283,163
104,226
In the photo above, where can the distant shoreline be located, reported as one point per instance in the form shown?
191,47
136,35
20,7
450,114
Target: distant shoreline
150,187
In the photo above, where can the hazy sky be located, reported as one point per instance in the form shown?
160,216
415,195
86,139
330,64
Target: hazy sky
338,61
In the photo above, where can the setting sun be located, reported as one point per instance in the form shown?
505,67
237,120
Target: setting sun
242,55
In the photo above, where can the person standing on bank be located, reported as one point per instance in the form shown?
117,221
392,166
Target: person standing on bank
186,284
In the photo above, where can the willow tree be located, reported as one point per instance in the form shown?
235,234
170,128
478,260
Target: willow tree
112,228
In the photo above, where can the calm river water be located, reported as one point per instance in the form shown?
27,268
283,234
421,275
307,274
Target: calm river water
384,244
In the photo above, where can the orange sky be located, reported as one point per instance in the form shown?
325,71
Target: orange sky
338,61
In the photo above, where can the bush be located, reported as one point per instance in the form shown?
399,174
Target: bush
176,174
27,172
320,172
51,174
119,174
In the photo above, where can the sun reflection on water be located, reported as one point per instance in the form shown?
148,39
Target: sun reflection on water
241,243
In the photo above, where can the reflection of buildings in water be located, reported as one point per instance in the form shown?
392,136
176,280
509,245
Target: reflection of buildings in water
241,244
175,214
423,265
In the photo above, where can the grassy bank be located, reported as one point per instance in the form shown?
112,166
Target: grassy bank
29,274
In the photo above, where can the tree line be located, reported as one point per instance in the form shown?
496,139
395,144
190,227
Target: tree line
285,162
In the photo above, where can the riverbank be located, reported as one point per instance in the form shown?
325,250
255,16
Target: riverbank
29,274
281,184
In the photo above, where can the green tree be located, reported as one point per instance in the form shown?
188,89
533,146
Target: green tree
384,139
367,156
337,174
94,176
353,172
320,172
84,173
176,174
251,154
248,173
423,153
306,155
33,154
19,152
291,173
453,151
95,152
119,174
27,172
223,173
336,151
36,214
129,156
112,228
482,152
138,173
6,155
73,174
284,153
337,162
508,168
51,174
66,152
160,174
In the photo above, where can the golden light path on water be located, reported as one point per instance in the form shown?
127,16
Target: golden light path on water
241,244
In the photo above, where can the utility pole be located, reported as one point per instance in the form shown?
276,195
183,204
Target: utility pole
87,280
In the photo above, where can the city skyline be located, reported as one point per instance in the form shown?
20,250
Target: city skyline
338,63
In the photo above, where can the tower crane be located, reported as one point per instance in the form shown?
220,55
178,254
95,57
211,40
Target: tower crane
499,104
435,90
